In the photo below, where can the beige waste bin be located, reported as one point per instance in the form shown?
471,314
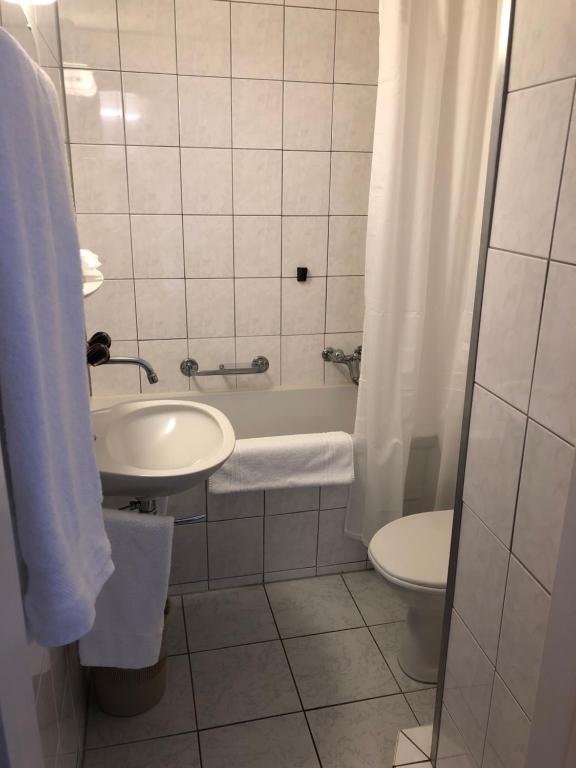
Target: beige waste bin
129,692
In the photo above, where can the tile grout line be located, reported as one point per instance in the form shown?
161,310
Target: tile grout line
281,320
181,185
122,101
232,210
331,156
191,681
292,676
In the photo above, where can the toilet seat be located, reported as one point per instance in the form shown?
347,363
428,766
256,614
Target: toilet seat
413,551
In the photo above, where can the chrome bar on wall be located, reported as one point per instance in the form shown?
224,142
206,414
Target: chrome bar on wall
260,364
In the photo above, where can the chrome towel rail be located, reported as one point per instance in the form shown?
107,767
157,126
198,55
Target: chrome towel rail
260,364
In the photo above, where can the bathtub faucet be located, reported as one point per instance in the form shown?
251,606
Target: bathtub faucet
352,362
98,353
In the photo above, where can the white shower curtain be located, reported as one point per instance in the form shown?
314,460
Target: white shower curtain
426,197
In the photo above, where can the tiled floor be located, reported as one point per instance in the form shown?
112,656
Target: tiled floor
298,674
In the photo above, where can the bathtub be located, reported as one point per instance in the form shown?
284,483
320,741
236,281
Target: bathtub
275,411
256,536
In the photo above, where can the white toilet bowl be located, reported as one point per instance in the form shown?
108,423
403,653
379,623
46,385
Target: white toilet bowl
412,555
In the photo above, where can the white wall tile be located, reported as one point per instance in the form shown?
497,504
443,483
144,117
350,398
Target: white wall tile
303,305
99,178
358,5
290,541
338,374
117,379
326,4
161,309
306,181
203,37
354,110
230,506
304,244
309,45
165,357
257,182
108,235
249,347
205,112
302,363
493,463
257,41
207,181
209,353
257,306
235,547
208,246
257,246
542,499
112,309
350,183
482,560
334,496
511,305
89,33
468,687
147,37
291,573
94,106
533,142
150,109
154,179
347,245
564,241
54,75
543,43
553,401
307,116
522,636
210,308
334,546
257,114
157,246
344,304
189,561
356,48
281,501
192,501
508,731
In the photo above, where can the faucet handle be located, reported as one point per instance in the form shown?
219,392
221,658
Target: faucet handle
97,354
100,337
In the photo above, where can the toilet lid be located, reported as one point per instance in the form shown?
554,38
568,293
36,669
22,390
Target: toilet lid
415,548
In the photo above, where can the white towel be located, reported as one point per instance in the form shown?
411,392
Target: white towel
130,610
43,382
291,461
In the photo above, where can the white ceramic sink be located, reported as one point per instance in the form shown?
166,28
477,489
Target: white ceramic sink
152,448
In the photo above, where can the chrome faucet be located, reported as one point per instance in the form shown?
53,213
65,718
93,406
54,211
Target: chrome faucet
151,374
352,362
98,353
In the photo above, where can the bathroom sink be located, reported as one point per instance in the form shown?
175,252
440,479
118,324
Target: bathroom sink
152,448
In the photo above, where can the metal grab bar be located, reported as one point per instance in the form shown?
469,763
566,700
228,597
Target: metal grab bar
190,367
331,355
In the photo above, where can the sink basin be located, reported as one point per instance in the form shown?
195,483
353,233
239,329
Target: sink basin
152,448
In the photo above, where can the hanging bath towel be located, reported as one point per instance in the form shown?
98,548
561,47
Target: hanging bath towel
43,381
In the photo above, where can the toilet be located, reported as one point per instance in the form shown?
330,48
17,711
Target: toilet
412,554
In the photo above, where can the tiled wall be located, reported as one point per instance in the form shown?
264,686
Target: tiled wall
260,535
217,146
60,704
523,426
